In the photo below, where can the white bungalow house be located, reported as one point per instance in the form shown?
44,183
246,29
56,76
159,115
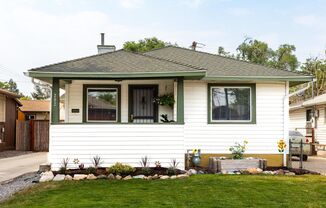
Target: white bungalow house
110,107
308,115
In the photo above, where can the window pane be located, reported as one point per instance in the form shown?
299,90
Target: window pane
102,104
230,103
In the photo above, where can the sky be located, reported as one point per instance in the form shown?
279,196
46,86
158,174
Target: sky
34,33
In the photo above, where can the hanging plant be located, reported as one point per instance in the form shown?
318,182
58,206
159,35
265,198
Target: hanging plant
167,99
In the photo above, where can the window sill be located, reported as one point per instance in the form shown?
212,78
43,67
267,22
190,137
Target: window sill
230,122
112,123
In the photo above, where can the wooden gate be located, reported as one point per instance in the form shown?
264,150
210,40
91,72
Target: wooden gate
32,135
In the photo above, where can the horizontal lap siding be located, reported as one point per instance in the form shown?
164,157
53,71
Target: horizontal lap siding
117,143
321,126
217,138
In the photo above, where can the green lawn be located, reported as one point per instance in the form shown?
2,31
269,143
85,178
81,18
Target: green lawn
197,191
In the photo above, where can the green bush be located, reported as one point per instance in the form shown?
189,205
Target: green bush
146,171
121,169
91,170
171,171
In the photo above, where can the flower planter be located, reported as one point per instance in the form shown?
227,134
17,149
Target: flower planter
229,165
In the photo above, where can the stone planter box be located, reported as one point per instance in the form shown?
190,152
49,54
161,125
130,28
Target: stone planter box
229,165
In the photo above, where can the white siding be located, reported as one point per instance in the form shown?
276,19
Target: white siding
298,120
320,131
217,138
2,108
75,97
125,143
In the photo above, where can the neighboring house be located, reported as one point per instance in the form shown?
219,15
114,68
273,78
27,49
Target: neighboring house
9,104
36,109
110,109
309,114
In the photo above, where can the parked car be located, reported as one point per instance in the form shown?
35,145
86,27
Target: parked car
295,138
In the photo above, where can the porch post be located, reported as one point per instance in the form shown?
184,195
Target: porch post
180,101
55,99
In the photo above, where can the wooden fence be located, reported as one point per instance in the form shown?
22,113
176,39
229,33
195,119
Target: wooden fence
32,135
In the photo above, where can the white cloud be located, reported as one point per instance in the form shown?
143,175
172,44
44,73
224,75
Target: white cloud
307,20
239,12
131,4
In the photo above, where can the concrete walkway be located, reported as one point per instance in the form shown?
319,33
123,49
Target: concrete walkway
16,166
314,163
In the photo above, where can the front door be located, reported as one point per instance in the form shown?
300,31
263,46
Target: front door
142,108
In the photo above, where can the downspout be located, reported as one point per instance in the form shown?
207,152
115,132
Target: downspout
286,121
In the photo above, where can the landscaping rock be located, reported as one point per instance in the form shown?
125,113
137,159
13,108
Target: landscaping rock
183,176
201,172
139,176
127,177
111,176
268,172
173,177
59,177
78,177
68,178
44,167
279,172
192,172
46,176
149,177
91,177
224,172
102,177
254,170
163,177
154,177
118,177
290,174
231,173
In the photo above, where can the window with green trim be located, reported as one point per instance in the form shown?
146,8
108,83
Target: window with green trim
231,103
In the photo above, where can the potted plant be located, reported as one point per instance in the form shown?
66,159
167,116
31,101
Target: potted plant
165,100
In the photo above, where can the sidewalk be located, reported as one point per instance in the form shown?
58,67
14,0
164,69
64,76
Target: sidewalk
16,166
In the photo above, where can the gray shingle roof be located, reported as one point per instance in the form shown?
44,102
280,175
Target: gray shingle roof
217,66
115,62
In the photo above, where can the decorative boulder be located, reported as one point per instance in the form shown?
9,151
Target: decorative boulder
68,178
118,177
154,177
254,170
78,177
290,174
139,176
46,176
173,177
91,177
127,177
192,172
59,177
163,177
111,176
183,176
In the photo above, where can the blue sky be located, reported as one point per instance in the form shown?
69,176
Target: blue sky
37,32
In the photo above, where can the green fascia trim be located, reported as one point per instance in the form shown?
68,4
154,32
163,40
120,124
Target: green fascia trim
115,75
85,86
180,100
250,78
119,123
253,103
55,101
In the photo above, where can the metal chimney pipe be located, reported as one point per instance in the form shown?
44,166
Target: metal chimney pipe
102,38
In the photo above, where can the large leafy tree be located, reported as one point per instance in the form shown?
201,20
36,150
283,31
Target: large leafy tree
144,45
11,86
284,58
42,92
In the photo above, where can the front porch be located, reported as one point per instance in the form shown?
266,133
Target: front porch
117,120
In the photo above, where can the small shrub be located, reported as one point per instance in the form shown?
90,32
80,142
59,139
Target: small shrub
146,171
64,166
174,164
144,162
238,150
97,161
171,171
120,169
81,166
157,164
91,170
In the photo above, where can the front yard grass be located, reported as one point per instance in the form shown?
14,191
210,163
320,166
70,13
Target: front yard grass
196,191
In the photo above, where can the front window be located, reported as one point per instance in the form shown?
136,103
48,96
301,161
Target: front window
102,104
231,103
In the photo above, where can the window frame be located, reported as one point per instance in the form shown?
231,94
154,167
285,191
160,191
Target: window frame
252,87
85,102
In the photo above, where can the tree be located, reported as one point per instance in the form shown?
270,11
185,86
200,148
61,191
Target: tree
144,45
254,51
11,86
42,92
284,58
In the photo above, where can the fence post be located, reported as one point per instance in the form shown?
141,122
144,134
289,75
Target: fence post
301,153
290,154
